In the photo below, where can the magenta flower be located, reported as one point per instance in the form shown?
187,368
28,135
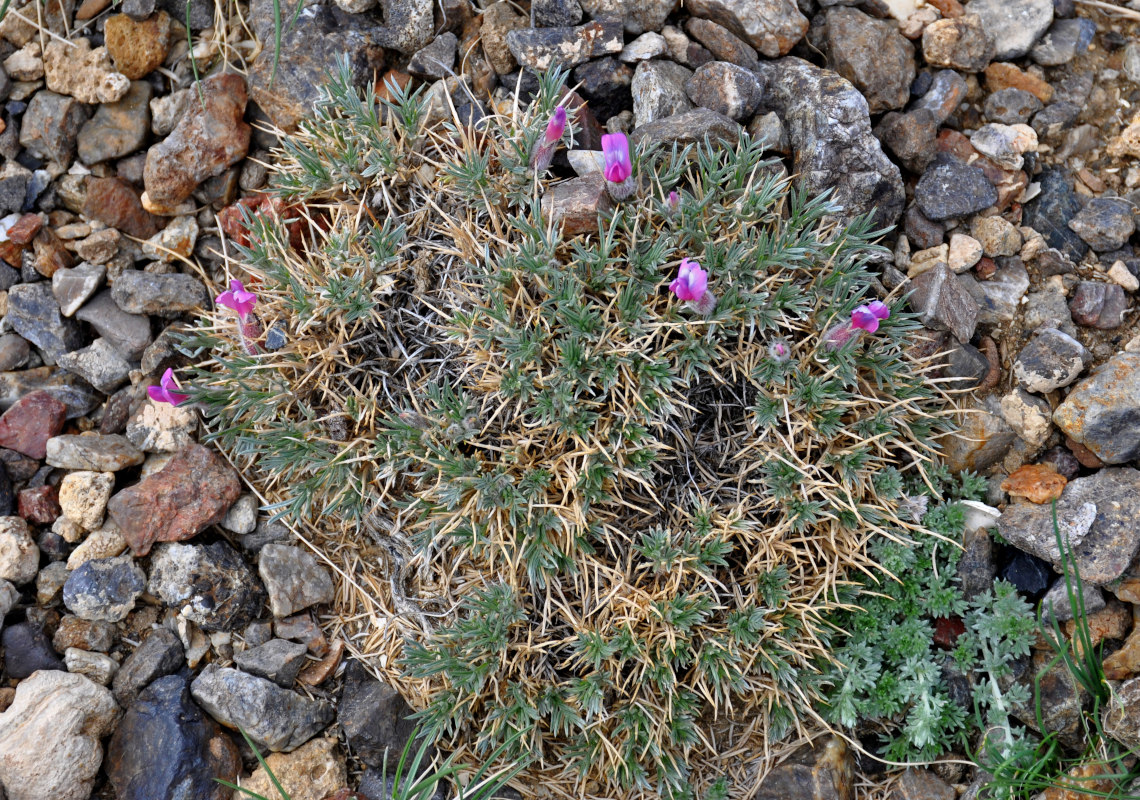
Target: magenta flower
868,317
556,126
237,299
691,281
673,202
615,150
165,392
543,152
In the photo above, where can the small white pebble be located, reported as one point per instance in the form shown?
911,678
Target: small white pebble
1120,274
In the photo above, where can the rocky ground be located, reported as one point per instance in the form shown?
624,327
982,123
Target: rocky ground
146,600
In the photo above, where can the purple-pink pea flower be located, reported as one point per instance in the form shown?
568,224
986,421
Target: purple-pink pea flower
615,151
673,202
165,393
691,282
779,350
543,153
867,317
237,299
556,127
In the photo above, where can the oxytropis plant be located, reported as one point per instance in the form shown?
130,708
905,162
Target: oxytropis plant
618,480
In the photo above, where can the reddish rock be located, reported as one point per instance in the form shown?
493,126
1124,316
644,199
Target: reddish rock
116,204
25,229
210,138
947,630
39,506
232,219
1086,457
51,255
30,422
190,493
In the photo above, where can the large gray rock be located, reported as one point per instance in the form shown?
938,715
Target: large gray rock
1103,411
1105,551
49,736
873,55
659,91
1015,25
275,718
104,589
374,716
543,48
1050,360
34,313
829,130
293,579
309,48
638,16
771,26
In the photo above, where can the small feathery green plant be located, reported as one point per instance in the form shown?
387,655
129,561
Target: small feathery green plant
889,671
620,520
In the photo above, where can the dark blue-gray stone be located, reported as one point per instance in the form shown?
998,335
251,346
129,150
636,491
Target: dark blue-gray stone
165,746
27,649
1049,214
951,189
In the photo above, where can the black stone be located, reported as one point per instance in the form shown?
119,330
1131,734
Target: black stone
27,649
158,655
7,494
605,84
375,718
164,746
1029,574
950,189
1049,214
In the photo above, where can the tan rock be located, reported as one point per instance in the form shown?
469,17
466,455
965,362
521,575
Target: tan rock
83,496
60,715
83,73
311,772
19,556
963,253
927,259
1125,662
1002,75
1128,142
1121,275
161,427
107,542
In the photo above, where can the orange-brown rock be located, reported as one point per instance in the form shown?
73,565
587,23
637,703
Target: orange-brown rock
1114,621
138,48
1125,662
1040,483
1001,75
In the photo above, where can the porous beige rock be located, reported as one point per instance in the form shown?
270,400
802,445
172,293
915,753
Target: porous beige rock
83,496
84,73
107,542
19,556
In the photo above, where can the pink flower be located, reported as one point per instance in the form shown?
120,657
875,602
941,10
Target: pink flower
779,350
237,299
868,317
615,150
165,393
673,202
691,282
556,126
